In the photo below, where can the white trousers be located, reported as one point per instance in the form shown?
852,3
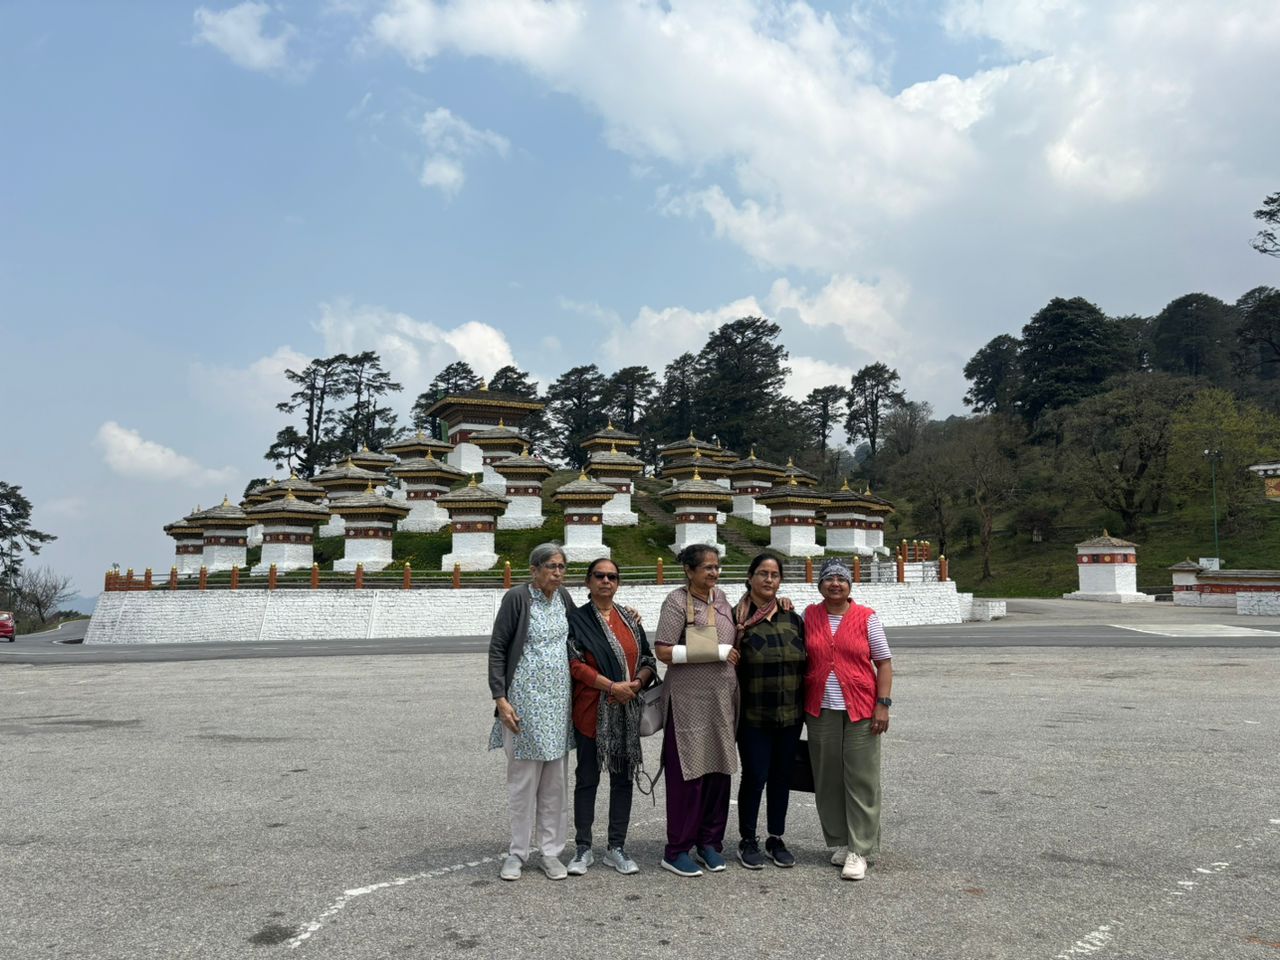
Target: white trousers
537,794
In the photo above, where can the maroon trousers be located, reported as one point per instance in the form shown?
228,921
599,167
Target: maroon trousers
697,810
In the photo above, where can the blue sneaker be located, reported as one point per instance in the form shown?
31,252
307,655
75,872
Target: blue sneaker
682,866
710,858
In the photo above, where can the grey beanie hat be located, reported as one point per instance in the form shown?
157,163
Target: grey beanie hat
835,568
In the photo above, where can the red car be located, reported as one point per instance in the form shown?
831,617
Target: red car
7,628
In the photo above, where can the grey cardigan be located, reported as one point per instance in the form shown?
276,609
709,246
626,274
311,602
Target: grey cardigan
510,630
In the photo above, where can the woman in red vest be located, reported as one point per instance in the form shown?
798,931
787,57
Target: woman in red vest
847,698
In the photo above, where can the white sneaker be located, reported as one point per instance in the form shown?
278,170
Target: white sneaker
581,860
511,868
618,859
855,868
840,856
553,868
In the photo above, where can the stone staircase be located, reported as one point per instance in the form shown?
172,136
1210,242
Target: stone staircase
642,501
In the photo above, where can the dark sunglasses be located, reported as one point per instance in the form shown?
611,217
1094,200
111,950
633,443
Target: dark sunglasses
605,576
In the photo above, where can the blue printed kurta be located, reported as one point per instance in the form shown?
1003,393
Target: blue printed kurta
540,689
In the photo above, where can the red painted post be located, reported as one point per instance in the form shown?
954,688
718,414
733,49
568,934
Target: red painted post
235,577
271,577
173,578
204,578
943,568
146,579
359,576
408,576
106,582
128,579
457,576
315,576
660,573
902,569
808,569
928,551
506,575
857,569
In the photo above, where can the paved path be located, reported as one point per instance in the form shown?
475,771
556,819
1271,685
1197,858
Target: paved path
1040,804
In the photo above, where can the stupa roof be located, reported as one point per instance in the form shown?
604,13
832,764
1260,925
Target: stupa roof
288,507
847,499
428,466
521,406
613,457
371,459
186,525
802,476
584,488
753,464
1187,564
698,490
611,434
690,444
473,496
696,463
498,435
793,491
347,472
417,445
294,484
369,504
525,463
224,514
1106,540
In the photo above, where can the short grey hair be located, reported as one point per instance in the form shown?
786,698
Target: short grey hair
544,552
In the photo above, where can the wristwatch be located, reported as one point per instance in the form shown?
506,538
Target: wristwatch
885,701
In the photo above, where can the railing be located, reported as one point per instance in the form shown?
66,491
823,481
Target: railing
404,577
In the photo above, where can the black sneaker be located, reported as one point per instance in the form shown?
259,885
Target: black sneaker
778,852
749,854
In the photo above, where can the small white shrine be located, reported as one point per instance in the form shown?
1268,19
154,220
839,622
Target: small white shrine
370,524
855,523
225,543
697,504
289,527
1108,570
749,478
473,515
583,501
524,474
617,470
425,479
188,543
793,519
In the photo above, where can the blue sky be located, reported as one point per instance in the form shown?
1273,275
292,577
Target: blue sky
198,196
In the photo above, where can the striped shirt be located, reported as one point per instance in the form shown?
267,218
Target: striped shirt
832,695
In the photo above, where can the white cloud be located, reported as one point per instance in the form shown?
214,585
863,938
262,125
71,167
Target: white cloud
127,453
810,373
255,389
772,120
70,508
449,140
414,351
239,32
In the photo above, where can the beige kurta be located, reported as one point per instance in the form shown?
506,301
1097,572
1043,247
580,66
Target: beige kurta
703,696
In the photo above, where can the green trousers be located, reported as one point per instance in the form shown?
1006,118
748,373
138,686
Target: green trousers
846,777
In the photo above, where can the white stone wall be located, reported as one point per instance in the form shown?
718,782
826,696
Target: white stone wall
583,542
522,513
189,564
493,481
1108,577
286,556
302,614
1192,598
746,508
254,535
471,551
219,557
425,516
336,527
374,554
687,533
794,541
1258,603
617,511
467,457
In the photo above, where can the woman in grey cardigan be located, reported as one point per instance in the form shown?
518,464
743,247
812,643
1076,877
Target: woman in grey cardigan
530,684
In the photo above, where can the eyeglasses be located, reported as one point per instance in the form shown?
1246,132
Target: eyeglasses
605,576
710,568
554,566
767,575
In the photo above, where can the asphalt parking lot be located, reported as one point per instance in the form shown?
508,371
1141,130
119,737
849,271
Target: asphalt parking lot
1039,803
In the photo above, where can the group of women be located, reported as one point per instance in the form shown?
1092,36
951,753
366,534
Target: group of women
741,681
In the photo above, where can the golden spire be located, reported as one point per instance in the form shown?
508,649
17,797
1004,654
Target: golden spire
293,474
1104,532
582,476
791,462
484,387
473,481
613,448
792,482
349,465
867,492
502,423
752,454
226,502
421,435
692,439
697,454
696,475
524,450
364,448
368,487
844,487
610,426
290,496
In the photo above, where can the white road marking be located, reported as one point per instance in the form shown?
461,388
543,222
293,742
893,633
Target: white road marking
1091,942
1197,630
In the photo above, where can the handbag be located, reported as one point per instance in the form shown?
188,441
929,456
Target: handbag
652,715
702,643
802,769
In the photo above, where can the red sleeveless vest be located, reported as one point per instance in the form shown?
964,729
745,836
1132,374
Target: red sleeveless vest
848,653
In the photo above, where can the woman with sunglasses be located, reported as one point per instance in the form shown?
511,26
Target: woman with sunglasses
771,681
695,637
611,662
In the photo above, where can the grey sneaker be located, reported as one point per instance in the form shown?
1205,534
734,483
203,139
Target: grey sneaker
840,855
581,860
855,868
553,868
617,858
511,868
